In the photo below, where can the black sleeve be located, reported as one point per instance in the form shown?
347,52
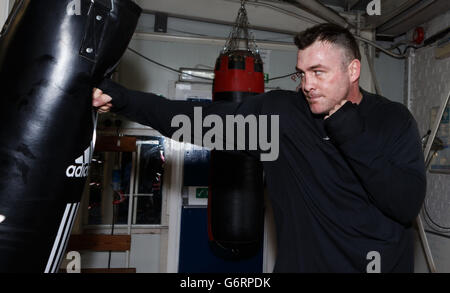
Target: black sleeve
388,160
159,112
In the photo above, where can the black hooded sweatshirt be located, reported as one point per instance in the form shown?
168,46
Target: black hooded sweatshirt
343,189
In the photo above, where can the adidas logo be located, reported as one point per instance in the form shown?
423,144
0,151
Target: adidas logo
81,167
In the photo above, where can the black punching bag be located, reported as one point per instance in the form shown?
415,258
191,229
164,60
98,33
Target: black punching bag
52,54
236,195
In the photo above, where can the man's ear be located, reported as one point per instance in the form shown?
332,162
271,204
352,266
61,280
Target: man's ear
354,70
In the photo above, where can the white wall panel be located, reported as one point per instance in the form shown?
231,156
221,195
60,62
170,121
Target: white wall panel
430,85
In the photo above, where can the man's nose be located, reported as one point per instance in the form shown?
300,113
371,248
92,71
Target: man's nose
308,83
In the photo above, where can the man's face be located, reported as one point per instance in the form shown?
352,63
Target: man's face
324,75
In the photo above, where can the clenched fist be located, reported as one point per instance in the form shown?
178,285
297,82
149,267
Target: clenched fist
101,101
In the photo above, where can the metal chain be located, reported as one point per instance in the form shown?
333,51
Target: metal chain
240,33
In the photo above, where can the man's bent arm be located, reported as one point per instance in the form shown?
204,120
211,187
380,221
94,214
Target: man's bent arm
388,161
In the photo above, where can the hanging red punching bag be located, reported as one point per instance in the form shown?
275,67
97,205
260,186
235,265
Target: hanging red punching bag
236,195
52,54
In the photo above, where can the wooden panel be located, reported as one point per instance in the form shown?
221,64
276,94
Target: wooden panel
99,242
115,144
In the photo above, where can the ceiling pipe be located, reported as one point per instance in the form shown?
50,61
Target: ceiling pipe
220,22
322,11
406,14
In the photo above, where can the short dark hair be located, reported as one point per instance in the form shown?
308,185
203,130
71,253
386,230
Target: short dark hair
330,33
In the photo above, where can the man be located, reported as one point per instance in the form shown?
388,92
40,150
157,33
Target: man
350,178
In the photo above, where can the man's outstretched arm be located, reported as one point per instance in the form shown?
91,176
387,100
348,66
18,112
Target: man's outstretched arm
159,112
